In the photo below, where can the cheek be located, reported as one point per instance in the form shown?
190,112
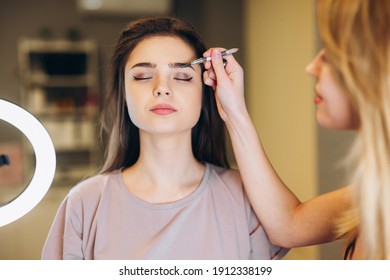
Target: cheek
128,98
193,101
338,109
198,98
131,102
347,115
191,93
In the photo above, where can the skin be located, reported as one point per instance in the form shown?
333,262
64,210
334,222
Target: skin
164,102
288,223
334,109
155,78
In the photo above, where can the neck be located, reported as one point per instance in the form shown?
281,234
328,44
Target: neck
166,169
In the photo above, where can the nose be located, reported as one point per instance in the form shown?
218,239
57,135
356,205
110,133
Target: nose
314,67
162,88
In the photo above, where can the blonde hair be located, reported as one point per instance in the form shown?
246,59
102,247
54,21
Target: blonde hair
356,38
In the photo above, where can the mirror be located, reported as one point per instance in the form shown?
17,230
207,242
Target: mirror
17,162
45,162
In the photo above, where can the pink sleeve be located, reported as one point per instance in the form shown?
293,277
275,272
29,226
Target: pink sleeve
64,240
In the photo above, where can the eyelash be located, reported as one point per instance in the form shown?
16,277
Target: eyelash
141,79
147,78
184,79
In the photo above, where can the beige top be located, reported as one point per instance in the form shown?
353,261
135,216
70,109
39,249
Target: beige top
101,219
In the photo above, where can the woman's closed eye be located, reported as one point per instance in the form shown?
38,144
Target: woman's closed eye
179,76
183,77
187,79
142,77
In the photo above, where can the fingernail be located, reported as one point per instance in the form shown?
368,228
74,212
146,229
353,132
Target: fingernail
217,53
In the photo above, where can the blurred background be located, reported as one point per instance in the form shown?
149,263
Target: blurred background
55,57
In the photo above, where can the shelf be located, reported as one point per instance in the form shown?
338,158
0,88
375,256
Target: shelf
68,134
55,46
70,177
65,114
44,80
59,85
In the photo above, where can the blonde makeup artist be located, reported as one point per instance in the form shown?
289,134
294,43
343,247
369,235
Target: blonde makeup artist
352,92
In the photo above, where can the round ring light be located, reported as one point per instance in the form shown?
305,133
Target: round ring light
45,164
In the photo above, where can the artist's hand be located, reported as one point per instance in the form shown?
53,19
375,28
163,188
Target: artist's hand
227,83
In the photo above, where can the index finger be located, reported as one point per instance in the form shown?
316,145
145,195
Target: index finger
217,63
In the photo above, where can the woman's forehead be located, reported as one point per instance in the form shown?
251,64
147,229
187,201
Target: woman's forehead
163,47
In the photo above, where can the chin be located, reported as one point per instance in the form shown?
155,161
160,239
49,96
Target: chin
336,125
327,122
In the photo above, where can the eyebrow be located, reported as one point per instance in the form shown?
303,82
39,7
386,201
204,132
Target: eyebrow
171,65
180,65
144,64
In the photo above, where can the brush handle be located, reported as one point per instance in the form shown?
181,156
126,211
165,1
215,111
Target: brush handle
208,58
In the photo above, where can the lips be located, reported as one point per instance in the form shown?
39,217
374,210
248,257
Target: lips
163,109
318,99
